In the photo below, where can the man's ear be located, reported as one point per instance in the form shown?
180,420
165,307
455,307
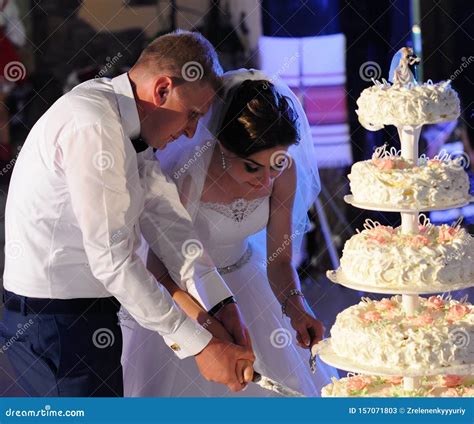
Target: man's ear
162,90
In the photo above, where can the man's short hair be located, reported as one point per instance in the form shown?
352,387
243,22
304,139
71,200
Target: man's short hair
182,54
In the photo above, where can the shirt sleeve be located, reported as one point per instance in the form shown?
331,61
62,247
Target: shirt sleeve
169,231
100,172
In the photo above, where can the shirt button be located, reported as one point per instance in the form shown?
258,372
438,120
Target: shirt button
175,347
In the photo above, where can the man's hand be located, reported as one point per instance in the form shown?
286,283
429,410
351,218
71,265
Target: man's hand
233,322
218,363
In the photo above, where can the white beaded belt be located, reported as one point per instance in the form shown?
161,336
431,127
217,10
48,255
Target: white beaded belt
239,264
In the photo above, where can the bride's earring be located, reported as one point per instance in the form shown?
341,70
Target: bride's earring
224,163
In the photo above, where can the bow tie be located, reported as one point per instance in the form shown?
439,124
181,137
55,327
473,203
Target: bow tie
139,144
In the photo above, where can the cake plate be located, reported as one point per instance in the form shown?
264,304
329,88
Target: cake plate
349,198
339,277
326,353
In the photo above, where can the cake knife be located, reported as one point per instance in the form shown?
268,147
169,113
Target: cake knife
272,385
267,383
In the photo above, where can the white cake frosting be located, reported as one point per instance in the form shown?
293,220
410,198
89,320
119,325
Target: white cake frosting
378,386
407,105
437,257
380,334
390,180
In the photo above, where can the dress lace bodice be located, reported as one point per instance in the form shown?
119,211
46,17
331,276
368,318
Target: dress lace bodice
224,228
238,210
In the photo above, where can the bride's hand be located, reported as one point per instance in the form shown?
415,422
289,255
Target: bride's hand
232,320
309,331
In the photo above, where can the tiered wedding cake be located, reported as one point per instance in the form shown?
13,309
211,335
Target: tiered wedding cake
405,345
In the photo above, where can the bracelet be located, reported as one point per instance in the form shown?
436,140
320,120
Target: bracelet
216,308
292,292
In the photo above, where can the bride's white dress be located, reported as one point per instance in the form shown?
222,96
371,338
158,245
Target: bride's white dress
150,367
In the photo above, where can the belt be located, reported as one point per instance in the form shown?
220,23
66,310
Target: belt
239,264
32,305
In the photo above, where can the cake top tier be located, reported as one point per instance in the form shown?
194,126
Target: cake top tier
405,102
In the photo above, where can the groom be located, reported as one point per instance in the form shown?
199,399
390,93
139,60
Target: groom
72,231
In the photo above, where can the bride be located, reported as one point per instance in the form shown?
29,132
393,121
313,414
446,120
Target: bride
247,179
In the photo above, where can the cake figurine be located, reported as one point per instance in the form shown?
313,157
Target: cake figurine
403,67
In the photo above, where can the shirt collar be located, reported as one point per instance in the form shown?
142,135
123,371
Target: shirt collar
127,105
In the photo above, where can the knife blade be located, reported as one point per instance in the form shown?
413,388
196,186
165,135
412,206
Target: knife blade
312,356
272,385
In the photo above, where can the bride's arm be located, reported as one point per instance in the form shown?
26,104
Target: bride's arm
281,273
187,303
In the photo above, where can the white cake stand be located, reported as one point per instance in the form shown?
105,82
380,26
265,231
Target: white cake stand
409,138
339,277
349,198
327,354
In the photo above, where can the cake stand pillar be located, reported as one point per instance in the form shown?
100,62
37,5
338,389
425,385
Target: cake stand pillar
411,383
409,136
410,222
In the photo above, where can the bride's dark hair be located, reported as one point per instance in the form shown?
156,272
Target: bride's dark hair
258,118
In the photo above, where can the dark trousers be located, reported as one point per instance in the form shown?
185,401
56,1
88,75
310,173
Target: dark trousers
55,353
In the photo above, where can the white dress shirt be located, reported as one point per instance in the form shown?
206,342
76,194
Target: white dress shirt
73,210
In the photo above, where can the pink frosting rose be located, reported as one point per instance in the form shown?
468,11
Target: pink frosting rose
434,162
423,320
395,380
419,241
435,302
385,305
370,316
452,380
457,312
385,164
450,393
446,234
357,383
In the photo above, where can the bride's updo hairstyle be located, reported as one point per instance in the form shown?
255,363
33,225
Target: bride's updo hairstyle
258,118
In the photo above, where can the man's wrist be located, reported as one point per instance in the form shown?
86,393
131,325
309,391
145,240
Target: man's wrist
217,308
